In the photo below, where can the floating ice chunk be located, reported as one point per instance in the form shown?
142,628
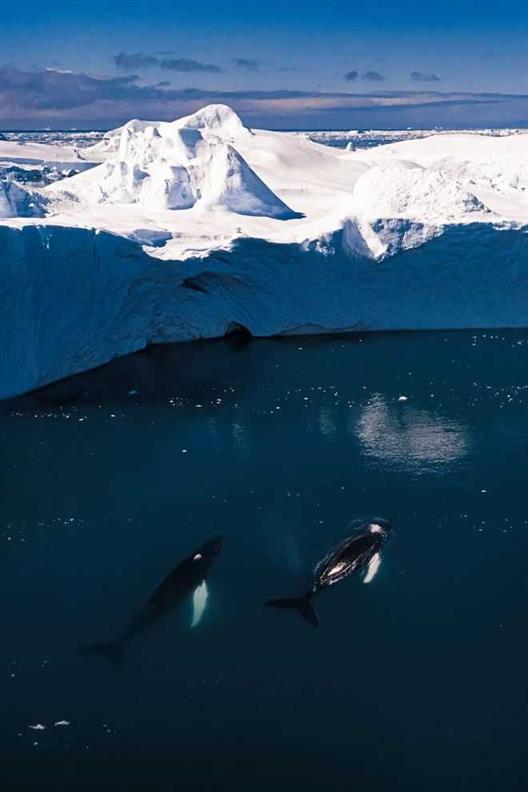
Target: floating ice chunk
37,727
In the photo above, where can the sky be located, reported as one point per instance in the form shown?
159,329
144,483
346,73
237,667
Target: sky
280,64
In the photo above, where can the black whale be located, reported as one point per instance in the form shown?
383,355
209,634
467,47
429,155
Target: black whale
173,589
359,553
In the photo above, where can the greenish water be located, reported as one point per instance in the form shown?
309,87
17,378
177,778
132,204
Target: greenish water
416,682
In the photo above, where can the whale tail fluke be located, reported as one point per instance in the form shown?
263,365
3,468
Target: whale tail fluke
114,651
301,604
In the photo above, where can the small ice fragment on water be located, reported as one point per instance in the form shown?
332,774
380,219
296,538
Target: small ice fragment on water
133,392
184,450
402,398
483,490
37,727
62,723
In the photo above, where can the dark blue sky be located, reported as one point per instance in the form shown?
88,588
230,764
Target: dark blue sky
324,48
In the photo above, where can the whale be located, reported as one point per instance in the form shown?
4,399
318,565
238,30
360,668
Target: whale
357,555
187,579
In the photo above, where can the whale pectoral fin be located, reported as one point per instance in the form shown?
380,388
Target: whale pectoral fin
199,601
374,565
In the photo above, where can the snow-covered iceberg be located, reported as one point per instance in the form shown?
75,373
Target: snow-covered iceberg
178,165
189,229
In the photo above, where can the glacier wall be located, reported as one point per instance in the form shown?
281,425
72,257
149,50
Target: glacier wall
115,298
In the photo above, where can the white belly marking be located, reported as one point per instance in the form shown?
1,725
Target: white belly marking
199,600
374,565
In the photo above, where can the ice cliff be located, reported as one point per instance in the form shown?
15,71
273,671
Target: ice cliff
193,228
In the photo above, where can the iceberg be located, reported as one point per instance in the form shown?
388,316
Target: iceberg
174,231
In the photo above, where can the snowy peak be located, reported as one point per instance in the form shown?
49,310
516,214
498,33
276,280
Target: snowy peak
213,120
234,186
187,163
218,119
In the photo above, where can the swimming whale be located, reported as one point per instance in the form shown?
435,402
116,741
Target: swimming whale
358,554
186,578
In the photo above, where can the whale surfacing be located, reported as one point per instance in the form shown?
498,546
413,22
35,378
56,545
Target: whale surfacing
358,554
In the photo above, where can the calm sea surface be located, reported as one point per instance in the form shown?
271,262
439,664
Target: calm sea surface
415,683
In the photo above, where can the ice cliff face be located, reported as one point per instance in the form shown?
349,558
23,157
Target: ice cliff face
189,229
16,201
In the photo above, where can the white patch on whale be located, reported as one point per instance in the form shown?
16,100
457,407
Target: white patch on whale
337,569
374,565
199,601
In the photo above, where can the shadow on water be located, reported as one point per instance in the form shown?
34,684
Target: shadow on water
414,682
164,370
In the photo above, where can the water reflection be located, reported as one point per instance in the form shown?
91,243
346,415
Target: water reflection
404,435
327,424
241,439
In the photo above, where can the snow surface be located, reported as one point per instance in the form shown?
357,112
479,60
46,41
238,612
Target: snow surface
45,153
188,229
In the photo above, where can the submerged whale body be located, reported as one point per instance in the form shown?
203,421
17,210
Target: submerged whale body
186,578
358,554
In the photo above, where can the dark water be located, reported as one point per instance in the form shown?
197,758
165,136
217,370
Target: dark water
417,682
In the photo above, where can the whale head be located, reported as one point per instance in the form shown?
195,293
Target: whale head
210,549
381,527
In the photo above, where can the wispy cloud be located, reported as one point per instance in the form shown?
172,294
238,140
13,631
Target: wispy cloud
249,64
138,61
424,77
489,55
54,90
133,61
372,76
188,65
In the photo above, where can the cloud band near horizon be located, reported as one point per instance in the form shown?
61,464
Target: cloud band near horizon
49,97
